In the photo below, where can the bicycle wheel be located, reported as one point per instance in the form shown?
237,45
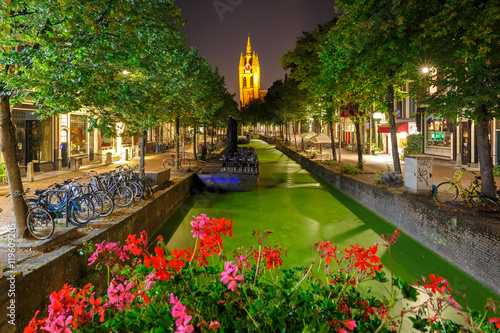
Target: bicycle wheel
146,188
107,203
81,211
185,164
484,204
123,196
446,192
136,188
97,205
168,163
40,223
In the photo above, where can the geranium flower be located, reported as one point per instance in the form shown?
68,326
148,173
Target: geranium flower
496,321
230,275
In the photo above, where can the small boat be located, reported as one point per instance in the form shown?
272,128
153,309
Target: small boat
239,173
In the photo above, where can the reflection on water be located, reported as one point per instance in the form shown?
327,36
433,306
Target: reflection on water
300,209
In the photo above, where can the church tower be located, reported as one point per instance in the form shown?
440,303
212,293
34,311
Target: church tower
249,76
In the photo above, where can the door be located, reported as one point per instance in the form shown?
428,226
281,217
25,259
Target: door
465,142
64,148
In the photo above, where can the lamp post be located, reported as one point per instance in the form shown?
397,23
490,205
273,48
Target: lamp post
377,116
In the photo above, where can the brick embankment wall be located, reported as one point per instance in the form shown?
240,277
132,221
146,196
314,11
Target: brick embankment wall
467,244
52,270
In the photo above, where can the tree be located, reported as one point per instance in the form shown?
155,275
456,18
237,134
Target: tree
304,65
72,55
371,50
461,41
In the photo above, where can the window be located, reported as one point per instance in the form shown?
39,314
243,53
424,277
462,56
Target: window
437,132
64,120
244,82
64,136
251,82
78,135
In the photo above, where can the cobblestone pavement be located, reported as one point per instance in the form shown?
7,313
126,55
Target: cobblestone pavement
372,165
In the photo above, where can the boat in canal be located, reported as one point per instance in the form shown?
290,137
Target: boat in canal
237,172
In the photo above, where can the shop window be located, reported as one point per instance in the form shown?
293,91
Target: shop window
437,132
78,135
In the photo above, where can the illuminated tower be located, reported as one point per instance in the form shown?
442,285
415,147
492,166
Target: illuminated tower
249,75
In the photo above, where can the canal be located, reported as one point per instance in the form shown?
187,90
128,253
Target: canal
301,209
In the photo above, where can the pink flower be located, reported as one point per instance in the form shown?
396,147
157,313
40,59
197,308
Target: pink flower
214,325
179,312
229,275
63,325
198,226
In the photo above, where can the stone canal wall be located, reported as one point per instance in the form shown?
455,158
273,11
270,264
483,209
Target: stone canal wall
65,265
471,246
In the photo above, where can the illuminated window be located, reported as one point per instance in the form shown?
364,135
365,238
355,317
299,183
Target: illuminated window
64,120
64,136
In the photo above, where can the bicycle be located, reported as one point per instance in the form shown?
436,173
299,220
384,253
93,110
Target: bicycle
39,221
450,189
171,162
79,210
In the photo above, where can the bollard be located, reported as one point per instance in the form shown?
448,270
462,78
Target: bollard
126,154
30,172
108,158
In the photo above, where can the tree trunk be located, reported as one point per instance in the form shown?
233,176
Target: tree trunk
8,147
334,153
177,141
195,129
488,185
232,136
358,141
142,163
205,135
392,125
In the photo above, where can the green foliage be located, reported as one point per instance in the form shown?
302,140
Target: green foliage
375,149
330,162
413,144
345,168
496,169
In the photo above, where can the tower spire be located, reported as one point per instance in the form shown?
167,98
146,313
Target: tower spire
249,47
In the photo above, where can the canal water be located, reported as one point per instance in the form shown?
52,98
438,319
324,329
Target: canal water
301,209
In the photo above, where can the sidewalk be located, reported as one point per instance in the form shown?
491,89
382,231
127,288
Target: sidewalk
441,169
44,179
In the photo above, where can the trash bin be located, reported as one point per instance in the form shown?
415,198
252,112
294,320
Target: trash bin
418,174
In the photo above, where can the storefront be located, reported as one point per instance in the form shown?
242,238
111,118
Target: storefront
34,137
438,137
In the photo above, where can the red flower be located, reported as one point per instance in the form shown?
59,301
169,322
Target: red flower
496,321
437,284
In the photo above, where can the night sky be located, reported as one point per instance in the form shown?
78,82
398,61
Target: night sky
274,25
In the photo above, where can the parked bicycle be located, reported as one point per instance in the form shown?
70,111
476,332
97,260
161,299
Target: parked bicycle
172,162
79,209
39,221
450,189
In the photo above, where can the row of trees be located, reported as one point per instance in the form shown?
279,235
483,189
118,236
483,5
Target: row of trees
364,58
121,61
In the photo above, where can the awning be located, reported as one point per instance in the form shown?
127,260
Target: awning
385,128
403,128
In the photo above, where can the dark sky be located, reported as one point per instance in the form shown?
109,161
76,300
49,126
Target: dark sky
274,25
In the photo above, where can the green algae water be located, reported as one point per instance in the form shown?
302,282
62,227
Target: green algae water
301,209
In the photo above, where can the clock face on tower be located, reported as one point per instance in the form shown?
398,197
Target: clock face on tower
248,67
